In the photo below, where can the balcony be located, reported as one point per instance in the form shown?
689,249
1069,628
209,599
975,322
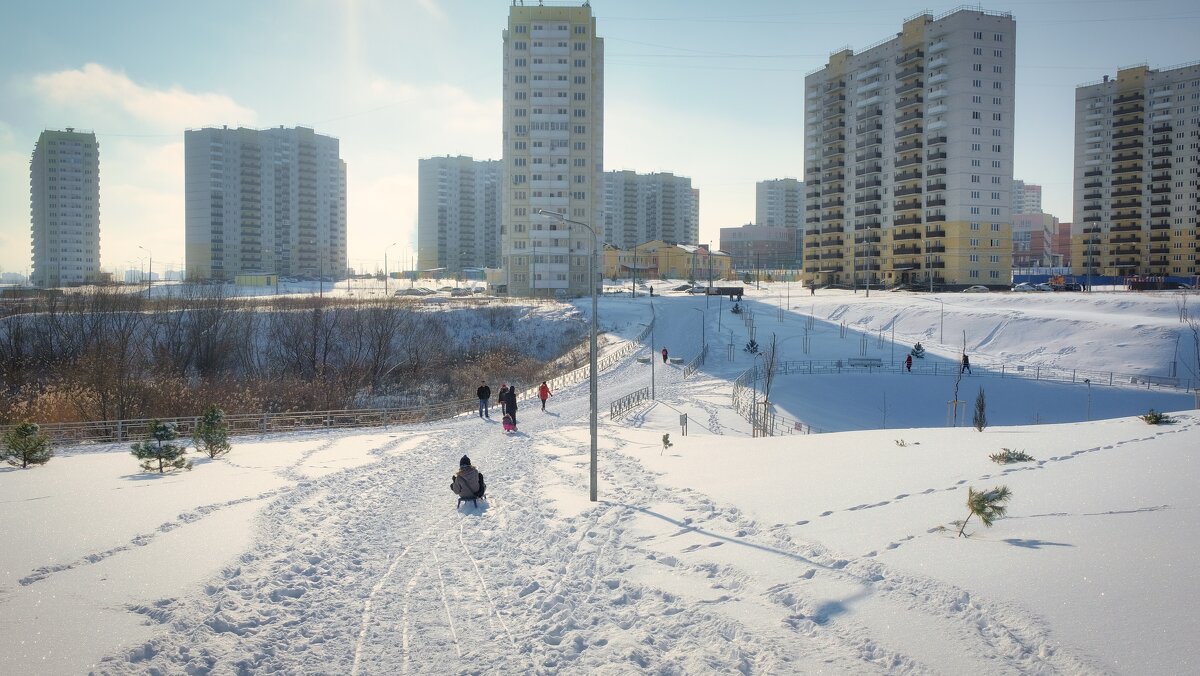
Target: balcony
830,229
1128,133
1128,157
909,56
1093,172
915,85
833,111
907,206
812,196
832,124
1130,216
901,236
909,131
910,101
1161,152
938,185
907,220
830,139
907,249
1092,195
1128,122
867,114
833,99
1160,213
936,171
1126,98
1126,145
1162,128
1128,180
868,197
833,191
935,202
910,190
1161,164
868,183
831,254
1160,142
936,155
936,140
869,155
1127,170
1093,207
868,127
1123,192
834,151
870,238
911,144
870,169
1160,201
870,223
1160,191
868,211
935,218
1163,250
813,219
906,162
905,73
1165,176
832,242
829,204
834,164
1091,219
871,140
911,115
1093,184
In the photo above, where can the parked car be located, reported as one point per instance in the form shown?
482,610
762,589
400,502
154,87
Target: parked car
1043,287
977,288
1023,287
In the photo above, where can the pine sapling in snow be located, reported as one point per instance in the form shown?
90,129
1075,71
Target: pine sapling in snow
158,452
1007,456
987,505
1153,417
666,443
212,433
25,445
980,419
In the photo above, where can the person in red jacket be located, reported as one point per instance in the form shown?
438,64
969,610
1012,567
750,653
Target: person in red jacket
543,393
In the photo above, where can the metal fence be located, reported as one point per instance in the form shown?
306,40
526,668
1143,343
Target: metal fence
108,431
767,423
627,403
695,363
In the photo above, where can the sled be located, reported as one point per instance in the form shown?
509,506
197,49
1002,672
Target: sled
474,502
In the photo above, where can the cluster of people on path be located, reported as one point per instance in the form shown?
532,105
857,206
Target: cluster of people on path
965,367
507,401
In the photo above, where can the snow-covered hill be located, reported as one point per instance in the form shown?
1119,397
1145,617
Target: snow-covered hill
343,552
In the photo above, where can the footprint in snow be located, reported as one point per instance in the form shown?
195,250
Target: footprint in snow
826,513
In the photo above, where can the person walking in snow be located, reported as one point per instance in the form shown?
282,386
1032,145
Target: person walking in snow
966,364
543,393
485,400
908,363
467,482
500,398
664,354
510,403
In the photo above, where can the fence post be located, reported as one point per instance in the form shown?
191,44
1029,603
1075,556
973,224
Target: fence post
120,430
263,429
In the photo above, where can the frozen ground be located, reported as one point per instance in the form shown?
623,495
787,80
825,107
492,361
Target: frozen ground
343,552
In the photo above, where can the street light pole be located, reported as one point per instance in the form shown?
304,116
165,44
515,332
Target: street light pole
703,321
385,266
149,277
592,370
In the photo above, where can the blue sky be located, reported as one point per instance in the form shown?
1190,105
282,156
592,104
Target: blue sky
709,90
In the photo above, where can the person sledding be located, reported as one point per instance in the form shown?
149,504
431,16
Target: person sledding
509,424
467,483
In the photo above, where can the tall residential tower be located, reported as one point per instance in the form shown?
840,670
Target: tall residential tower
639,208
64,198
779,202
1135,173
553,147
908,156
264,201
458,213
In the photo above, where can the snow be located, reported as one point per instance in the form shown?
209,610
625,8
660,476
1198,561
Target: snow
342,551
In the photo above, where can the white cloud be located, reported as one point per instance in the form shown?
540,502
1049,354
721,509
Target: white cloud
95,92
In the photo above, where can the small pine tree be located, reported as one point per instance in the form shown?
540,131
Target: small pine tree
158,452
1153,417
25,445
666,443
212,433
987,505
980,419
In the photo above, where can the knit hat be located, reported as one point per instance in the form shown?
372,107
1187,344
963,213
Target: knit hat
464,461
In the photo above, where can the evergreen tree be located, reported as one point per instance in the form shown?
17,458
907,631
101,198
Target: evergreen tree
980,419
212,433
158,451
987,505
25,445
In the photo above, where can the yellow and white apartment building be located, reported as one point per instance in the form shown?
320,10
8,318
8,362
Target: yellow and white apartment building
908,156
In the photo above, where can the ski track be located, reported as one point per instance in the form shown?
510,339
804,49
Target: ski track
371,570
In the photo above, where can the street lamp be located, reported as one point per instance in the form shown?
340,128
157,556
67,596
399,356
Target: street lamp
385,266
703,321
592,414
149,277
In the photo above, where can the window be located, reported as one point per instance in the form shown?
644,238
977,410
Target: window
974,114
975,131
996,132
975,163
995,148
975,178
994,274
998,53
976,83
996,117
999,37
581,63
974,258
975,147
995,195
974,274
976,99
997,85
977,51
975,226
997,69
977,67
975,196
580,79
974,211
995,100
974,242
995,227
978,35
995,212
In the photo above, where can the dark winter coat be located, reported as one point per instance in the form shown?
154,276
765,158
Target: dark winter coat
510,401
468,483
484,392
500,397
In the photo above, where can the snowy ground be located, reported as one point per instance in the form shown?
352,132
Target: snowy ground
343,552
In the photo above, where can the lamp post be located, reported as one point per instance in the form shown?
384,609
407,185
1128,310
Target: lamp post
703,321
592,413
150,276
385,266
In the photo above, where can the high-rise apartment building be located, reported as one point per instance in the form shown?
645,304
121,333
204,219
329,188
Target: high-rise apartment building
553,148
64,199
908,156
779,202
1026,198
639,208
458,213
264,201
1135,173
760,247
